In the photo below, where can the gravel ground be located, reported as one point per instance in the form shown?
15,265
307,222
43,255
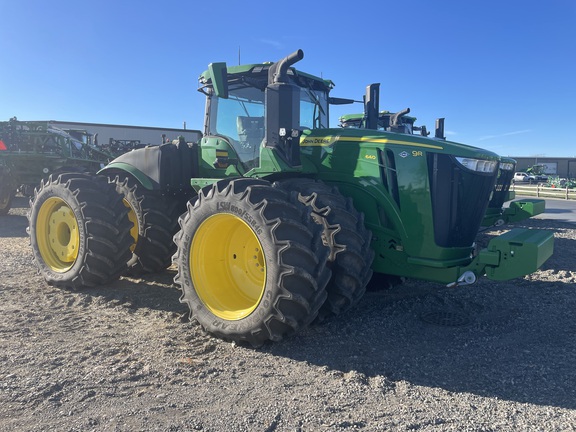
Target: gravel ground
417,356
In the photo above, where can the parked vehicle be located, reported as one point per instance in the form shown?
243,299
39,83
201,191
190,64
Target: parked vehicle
537,171
273,218
522,177
31,150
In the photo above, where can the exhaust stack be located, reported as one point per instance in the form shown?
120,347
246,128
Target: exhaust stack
278,72
282,116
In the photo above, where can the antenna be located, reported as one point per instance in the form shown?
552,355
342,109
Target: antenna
239,55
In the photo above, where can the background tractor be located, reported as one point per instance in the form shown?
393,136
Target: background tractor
515,211
272,218
31,150
398,122
539,172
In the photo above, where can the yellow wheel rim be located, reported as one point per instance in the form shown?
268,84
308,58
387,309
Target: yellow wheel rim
134,219
57,235
228,267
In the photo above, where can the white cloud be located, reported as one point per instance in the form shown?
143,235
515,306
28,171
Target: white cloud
488,137
273,43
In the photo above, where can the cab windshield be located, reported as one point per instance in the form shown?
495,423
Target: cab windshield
240,118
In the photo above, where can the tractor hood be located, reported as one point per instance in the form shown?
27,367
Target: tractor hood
329,137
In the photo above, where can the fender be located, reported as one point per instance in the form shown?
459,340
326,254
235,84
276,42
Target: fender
168,167
143,164
143,178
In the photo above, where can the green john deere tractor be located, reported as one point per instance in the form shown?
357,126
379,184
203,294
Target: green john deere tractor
517,210
496,213
31,150
398,122
274,219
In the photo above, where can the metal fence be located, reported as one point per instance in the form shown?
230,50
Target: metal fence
544,191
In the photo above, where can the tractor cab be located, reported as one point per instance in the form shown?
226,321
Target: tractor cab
260,109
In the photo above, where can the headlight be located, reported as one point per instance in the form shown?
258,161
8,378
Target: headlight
478,165
507,166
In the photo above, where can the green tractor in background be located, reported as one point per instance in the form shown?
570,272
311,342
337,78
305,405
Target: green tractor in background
539,173
517,210
31,150
273,218
388,121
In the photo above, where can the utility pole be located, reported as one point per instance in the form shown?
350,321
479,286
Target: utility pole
536,156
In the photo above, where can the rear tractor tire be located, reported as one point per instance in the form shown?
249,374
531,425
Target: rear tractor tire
79,231
344,233
6,196
251,265
155,222
6,192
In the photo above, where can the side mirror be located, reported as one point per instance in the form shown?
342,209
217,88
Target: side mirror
340,101
219,74
372,106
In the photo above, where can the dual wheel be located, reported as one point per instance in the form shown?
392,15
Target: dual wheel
79,231
87,230
256,261
154,218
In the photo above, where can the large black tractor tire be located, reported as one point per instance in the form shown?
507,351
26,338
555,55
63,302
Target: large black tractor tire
345,234
7,191
79,231
251,265
155,219
6,196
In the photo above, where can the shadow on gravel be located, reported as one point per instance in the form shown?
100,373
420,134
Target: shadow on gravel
513,341
562,259
13,226
152,291
15,222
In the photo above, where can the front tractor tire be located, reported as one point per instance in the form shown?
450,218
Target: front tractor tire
155,222
79,231
251,266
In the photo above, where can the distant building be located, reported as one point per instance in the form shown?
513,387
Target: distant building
557,166
144,134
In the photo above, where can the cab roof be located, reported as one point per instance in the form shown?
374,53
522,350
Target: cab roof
257,75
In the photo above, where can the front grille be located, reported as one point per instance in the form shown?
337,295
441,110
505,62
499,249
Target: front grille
459,200
501,188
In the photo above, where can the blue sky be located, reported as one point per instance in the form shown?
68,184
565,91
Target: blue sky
502,72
